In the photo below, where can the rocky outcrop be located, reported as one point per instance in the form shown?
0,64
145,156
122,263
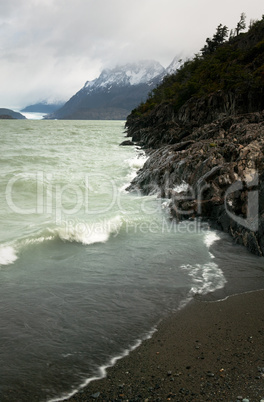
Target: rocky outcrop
127,143
208,160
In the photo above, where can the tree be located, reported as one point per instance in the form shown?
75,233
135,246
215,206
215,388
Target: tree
241,25
220,35
218,38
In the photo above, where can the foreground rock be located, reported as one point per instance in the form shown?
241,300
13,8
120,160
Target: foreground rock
127,143
209,163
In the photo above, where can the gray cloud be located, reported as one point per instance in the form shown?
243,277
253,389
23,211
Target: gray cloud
49,48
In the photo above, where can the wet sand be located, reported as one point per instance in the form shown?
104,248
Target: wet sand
208,351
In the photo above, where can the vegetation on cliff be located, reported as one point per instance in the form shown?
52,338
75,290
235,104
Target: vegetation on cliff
204,127
236,65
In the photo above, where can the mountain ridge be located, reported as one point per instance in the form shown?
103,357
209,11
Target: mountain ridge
114,93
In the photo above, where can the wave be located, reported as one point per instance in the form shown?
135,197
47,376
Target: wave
206,278
210,238
36,240
102,370
72,231
134,164
8,255
138,161
89,232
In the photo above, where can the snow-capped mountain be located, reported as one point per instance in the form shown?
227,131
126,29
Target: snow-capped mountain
174,65
114,93
130,74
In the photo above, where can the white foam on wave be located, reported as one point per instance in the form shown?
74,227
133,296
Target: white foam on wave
9,252
210,238
7,255
89,232
206,277
135,164
37,240
102,371
166,205
129,179
80,232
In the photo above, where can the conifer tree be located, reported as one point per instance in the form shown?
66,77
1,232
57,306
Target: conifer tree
218,38
241,25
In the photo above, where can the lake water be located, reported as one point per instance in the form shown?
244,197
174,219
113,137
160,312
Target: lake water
87,270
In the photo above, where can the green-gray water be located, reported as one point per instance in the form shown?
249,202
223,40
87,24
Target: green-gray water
86,269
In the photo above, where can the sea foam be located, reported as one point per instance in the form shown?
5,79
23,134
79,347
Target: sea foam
7,255
210,238
89,232
135,164
206,277
102,370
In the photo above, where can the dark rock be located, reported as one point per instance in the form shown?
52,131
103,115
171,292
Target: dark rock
127,142
207,130
220,161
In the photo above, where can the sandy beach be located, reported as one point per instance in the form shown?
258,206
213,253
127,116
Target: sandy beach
208,351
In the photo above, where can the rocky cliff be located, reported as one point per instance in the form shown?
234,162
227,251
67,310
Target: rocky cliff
207,156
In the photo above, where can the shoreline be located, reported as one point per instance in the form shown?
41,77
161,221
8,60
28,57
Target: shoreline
209,350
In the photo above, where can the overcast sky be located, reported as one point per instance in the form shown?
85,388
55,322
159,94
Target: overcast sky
50,48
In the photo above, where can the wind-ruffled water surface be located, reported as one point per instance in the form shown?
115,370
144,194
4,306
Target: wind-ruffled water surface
87,270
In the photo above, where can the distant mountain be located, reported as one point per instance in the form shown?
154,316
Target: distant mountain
8,113
42,107
114,93
174,66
